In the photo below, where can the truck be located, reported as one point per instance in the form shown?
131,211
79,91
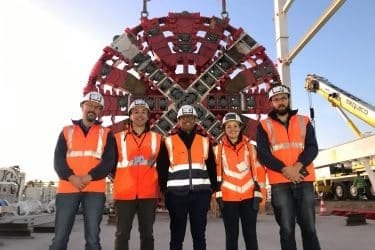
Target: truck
336,167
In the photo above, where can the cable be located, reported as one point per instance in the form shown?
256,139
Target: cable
312,113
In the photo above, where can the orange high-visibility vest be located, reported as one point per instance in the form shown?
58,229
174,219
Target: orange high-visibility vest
136,174
83,154
235,169
287,144
187,172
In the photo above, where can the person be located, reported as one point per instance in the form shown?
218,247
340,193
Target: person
286,146
85,154
360,183
187,177
135,185
242,183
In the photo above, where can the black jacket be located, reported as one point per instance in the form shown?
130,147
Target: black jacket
163,162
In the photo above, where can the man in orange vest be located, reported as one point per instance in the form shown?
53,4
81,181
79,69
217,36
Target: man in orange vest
136,187
187,177
286,146
85,154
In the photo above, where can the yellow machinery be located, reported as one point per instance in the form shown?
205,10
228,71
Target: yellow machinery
342,100
336,167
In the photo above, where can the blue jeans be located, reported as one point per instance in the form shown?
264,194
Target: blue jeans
293,202
66,208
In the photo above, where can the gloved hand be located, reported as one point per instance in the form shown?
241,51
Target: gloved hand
219,202
256,202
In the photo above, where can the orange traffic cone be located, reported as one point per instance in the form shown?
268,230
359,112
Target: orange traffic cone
323,209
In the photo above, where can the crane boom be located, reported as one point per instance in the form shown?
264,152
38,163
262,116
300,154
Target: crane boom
359,151
341,99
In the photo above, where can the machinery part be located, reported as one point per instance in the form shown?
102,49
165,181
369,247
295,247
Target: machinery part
357,152
340,191
180,59
144,13
340,98
29,207
353,191
12,182
355,219
51,206
370,193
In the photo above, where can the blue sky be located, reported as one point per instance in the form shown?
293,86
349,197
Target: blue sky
49,47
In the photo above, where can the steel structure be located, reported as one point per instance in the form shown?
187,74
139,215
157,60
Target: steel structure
336,168
185,58
284,55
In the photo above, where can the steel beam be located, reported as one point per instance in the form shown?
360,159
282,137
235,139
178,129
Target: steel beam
335,5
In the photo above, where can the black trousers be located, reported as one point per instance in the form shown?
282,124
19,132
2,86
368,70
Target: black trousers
194,204
233,211
125,211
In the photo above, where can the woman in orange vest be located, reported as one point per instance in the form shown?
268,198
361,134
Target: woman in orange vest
135,187
242,184
286,146
85,154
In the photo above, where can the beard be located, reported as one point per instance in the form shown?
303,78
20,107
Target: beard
90,117
282,110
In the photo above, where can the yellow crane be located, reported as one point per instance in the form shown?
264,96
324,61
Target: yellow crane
336,166
342,100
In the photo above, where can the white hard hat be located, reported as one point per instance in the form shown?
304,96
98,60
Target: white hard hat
93,97
186,110
278,89
139,103
231,116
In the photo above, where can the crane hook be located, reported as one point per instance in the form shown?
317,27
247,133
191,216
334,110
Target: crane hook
224,12
144,12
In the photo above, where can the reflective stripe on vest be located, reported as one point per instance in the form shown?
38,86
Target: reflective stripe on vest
85,153
275,146
238,189
257,165
126,163
231,173
185,182
218,170
168,143
237,182
262,184
286,144
179,169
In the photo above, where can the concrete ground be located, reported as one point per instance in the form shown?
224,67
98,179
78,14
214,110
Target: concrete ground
333,234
